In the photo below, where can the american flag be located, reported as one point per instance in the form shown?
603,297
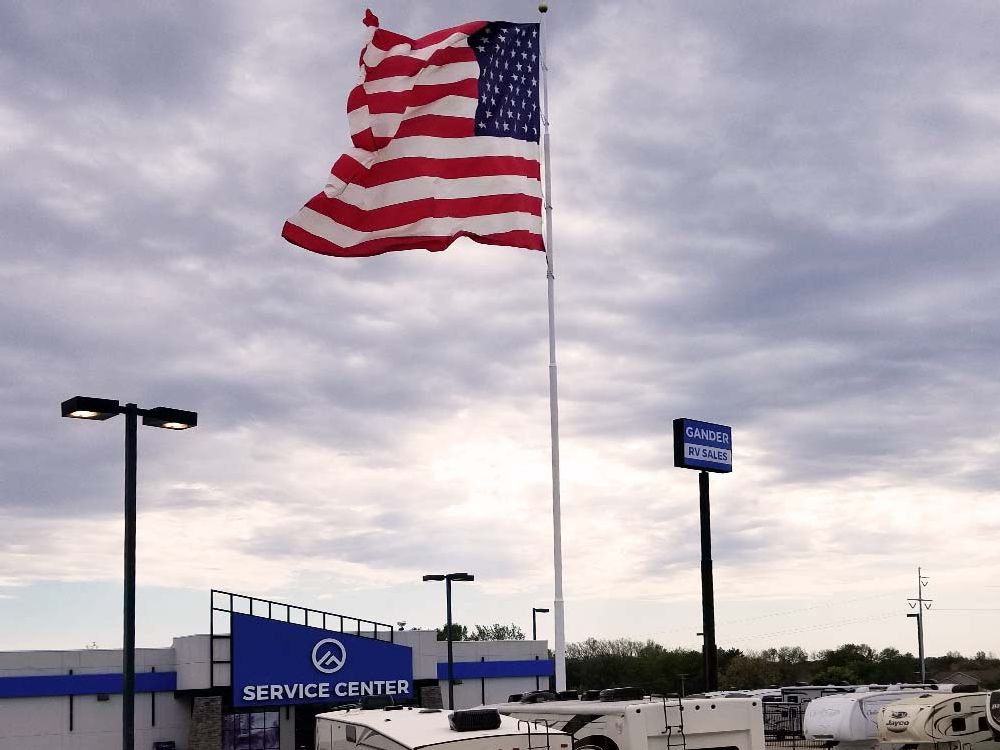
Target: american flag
445,131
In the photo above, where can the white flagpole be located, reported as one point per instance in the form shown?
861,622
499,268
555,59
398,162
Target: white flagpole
560,619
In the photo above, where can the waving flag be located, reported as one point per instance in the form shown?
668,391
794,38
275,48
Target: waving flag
445,132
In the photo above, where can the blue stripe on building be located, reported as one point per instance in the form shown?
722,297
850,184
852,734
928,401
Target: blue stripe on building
468,670
84,684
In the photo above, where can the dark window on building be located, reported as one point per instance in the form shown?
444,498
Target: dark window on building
250,731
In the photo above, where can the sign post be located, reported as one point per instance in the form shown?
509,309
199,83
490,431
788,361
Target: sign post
705,447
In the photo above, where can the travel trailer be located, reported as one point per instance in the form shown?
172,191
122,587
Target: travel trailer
950,721
993,713
624,719
849,719
802,694
398,728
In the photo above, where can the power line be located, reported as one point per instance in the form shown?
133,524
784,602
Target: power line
756,618
824,626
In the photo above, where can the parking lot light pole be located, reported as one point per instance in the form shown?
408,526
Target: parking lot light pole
534,629
448,578
100,409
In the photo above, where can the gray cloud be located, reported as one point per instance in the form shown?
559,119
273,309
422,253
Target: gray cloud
781,218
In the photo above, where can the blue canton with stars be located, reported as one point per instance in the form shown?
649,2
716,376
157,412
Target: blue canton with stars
508,80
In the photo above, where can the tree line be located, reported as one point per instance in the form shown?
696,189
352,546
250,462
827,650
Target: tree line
600,663
597,663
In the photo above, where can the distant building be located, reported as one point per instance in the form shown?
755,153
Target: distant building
257,680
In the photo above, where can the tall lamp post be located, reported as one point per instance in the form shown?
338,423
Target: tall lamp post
448,578
100,409
534,629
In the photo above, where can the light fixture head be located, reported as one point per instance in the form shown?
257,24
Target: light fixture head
540,609
461,577
87,407
433,577
170,419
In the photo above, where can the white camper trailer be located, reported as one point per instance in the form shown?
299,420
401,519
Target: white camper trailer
623,721
949,721
993,713
849,720
398,728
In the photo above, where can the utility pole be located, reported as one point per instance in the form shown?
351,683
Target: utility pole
921,605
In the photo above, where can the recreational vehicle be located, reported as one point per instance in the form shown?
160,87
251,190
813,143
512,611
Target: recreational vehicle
623,720
802,694
951,721
849,719
993,713
398,728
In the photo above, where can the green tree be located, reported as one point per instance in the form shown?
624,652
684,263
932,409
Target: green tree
497,632
893,666
836,675
747,672
458,632
854,659
595,663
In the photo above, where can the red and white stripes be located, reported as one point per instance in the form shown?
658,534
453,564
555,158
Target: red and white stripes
418,176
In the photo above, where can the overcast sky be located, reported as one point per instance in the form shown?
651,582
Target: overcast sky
779,216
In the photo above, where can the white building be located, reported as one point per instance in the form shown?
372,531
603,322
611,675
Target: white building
255,682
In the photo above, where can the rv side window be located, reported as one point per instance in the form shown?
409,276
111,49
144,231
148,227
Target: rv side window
352,733
958,724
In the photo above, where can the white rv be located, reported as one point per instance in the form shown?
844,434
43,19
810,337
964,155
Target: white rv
850,719
650,723
949,721
993,713
398,728
802,694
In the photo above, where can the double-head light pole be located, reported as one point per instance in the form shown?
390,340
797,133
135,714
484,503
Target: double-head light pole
100,409
448,578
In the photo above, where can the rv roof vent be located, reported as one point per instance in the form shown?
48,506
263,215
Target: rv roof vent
591,695
375,702
474,720
568,695
514,698
623,694
538,696
429,711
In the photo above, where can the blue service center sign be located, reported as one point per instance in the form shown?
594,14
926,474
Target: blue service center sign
277,663
703,445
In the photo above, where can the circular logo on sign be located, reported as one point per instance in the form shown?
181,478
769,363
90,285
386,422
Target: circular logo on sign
329,655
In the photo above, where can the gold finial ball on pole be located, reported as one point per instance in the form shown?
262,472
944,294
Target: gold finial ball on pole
543,7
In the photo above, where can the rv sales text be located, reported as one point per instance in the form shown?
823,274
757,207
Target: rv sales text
305,691
701,433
